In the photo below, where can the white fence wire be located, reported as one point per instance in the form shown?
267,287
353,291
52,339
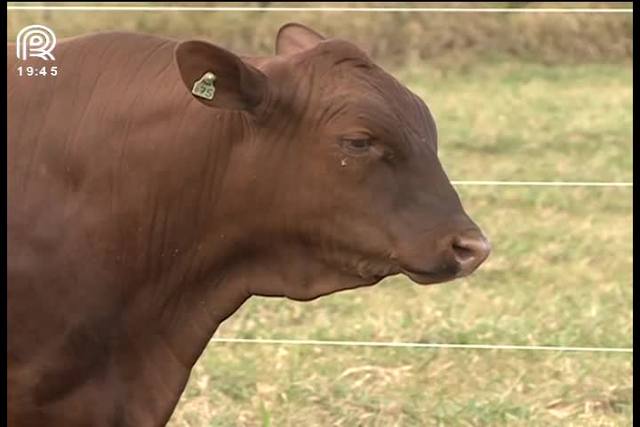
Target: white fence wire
544,183
319,9
421,345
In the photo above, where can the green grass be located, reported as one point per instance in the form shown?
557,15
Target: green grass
318,386
560,274
528,121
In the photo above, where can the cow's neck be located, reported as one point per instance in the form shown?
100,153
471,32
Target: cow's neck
187,252
182,287
167,329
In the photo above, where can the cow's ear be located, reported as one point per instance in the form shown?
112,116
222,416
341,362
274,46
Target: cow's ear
293,38
219,78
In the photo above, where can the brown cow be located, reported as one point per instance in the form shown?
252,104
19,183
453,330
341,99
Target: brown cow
141,216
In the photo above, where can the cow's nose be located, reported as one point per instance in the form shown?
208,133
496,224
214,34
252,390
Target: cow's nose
469,252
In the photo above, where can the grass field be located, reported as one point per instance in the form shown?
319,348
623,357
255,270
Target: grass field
560,274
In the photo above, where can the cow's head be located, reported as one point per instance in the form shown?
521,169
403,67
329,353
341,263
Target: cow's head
338,162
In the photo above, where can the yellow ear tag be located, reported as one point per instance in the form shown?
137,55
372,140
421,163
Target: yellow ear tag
204,88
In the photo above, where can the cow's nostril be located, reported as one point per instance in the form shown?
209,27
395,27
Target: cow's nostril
462,253
470,252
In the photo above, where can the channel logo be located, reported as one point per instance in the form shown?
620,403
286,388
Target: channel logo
35,41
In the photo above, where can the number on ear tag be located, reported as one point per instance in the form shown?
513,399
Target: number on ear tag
204,88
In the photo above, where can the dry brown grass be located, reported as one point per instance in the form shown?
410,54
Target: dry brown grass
394,39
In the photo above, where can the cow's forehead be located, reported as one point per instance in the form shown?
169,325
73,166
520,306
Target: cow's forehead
348,65
338,49
373,90
341,74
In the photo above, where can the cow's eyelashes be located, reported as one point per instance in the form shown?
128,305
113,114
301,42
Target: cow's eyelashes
356,145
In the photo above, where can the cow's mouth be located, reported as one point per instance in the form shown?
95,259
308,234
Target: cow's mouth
421,276
426,277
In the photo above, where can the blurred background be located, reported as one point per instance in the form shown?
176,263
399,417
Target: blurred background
541,97
392,39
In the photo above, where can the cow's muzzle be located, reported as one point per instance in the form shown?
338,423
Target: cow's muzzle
459,255
469,251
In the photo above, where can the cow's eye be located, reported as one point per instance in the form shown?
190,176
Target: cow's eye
356,146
